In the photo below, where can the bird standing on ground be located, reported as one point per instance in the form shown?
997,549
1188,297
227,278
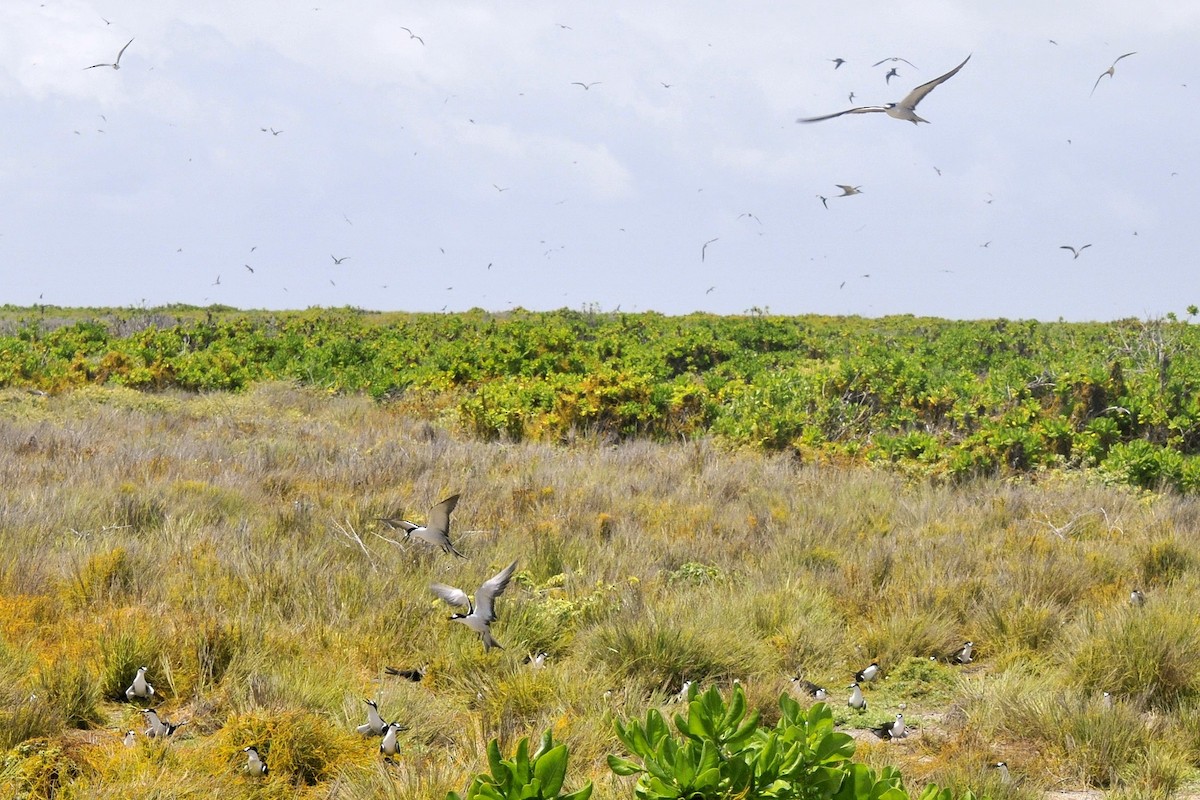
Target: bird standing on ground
1137,597
857,701
1002,769
963,656
375,725
537,661
130,739
435,531
1110,72
906,109
255,764
389,746
117,64
140,687
480,612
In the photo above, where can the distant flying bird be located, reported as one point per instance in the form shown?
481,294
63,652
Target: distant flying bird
905,109
847,190
824,201
247,266
891,73
851,98
117,64
435,531
1109,72
857,701
867,673
499,189
255,765
586,86
374,725
412,35
837,62
1074,250
895,58
480,612
337,260
140,687
704,249
666,85
217,282
275,132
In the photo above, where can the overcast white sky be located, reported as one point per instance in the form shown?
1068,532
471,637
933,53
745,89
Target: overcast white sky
147,183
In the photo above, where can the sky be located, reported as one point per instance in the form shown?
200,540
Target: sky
243,147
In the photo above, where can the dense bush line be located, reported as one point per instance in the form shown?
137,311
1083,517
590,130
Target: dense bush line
945,398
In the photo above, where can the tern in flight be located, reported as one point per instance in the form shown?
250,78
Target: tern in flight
895,58
906,109
337,260
1074,250
1109,72
586,86
847,190
480,613
412,35
892,73
837,62
436,530
704,249
117,64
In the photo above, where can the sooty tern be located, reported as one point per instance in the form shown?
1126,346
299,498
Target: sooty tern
481,612
906,109
436,530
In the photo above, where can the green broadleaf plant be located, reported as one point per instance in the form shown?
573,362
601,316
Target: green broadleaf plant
522,777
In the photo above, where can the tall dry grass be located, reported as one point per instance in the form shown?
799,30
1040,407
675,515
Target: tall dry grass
230,544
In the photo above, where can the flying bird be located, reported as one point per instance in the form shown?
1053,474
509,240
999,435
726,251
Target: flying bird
117,64
891,73
895,58
846,190
435,531
375,726
905,109
140,686
704,249
586,86
255,765
412,35
1109,72
481,612
837,62
337,260
1074,250
824,201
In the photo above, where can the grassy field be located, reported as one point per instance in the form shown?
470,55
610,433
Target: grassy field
230,544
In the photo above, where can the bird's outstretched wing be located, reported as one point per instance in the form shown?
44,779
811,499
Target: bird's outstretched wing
859,110
123,49
451,594
439,515
918,94
486,595
1127,55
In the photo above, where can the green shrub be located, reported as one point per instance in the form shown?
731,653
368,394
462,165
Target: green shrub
523,777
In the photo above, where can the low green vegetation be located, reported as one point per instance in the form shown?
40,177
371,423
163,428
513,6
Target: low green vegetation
231,543
933,397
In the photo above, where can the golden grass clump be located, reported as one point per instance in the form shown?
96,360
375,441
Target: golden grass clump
298,745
